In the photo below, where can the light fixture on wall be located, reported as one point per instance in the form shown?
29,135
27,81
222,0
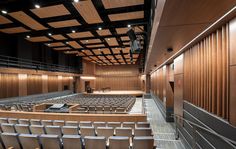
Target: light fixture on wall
22,76
87,78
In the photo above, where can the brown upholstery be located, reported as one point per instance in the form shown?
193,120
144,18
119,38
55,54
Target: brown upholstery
10,140
29,141
50,141
117,142
37,129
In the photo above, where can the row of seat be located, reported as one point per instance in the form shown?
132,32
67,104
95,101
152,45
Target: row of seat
30,141
74,130
74,123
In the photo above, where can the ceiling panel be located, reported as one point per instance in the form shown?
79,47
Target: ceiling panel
125,38
51,11
106,51
14,30
87,52
126,50
66,23
39,39
58,37
104,32
56,44
62,48
95,46
89,41
74,44
127,16
116,50
4,20
121,3
81,54
112,41
27,20
88,11
97,52
71,52
80,35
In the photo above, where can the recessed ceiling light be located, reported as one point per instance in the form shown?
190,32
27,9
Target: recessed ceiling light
108,39
27,36
100,28
73,31
37,6
4,11
129,25
50,34
49,44
86,40
99,49
67,42
76,1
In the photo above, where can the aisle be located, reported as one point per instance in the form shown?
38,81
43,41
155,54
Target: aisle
163,132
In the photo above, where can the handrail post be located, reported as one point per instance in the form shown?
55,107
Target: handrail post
194,138
176,128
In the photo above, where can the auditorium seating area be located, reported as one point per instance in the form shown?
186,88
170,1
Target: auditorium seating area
108,104
99,103
57,134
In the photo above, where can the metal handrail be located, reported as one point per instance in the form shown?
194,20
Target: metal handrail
194,125
25,63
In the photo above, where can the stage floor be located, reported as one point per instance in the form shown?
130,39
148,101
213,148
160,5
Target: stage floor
119,92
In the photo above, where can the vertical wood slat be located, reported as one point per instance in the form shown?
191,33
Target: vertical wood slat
206,73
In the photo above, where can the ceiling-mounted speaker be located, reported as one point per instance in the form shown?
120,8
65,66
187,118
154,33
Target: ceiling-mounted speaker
131,35
169,50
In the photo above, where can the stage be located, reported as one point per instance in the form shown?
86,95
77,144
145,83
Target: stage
120,92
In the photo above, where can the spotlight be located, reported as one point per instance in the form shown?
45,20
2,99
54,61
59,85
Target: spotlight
27,36
129,25
73,31
49,44
87,41
50,34
37,6
169,50
100,28
108,39
76,1
4,11
67,42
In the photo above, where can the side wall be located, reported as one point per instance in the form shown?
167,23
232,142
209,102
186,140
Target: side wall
18,82
204,88
123,77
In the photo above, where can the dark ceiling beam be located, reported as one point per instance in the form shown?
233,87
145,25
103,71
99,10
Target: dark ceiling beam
122,54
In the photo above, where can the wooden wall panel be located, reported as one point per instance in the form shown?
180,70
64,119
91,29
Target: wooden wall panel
52,83
9,85
118,77
88,68
232,72
22,84
34,84
206,73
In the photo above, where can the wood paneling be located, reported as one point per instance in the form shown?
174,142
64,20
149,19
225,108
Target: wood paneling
80,35
121,3
104,32
27,20
206,73
232,72
88,11
51,11
9,85
67,23
88,68
118,77
52,83
58,37
127,16
14,30
34,84
39,39
76,117
4,20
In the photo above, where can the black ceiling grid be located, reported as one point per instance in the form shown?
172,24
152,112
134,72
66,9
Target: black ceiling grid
16,5
80,19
